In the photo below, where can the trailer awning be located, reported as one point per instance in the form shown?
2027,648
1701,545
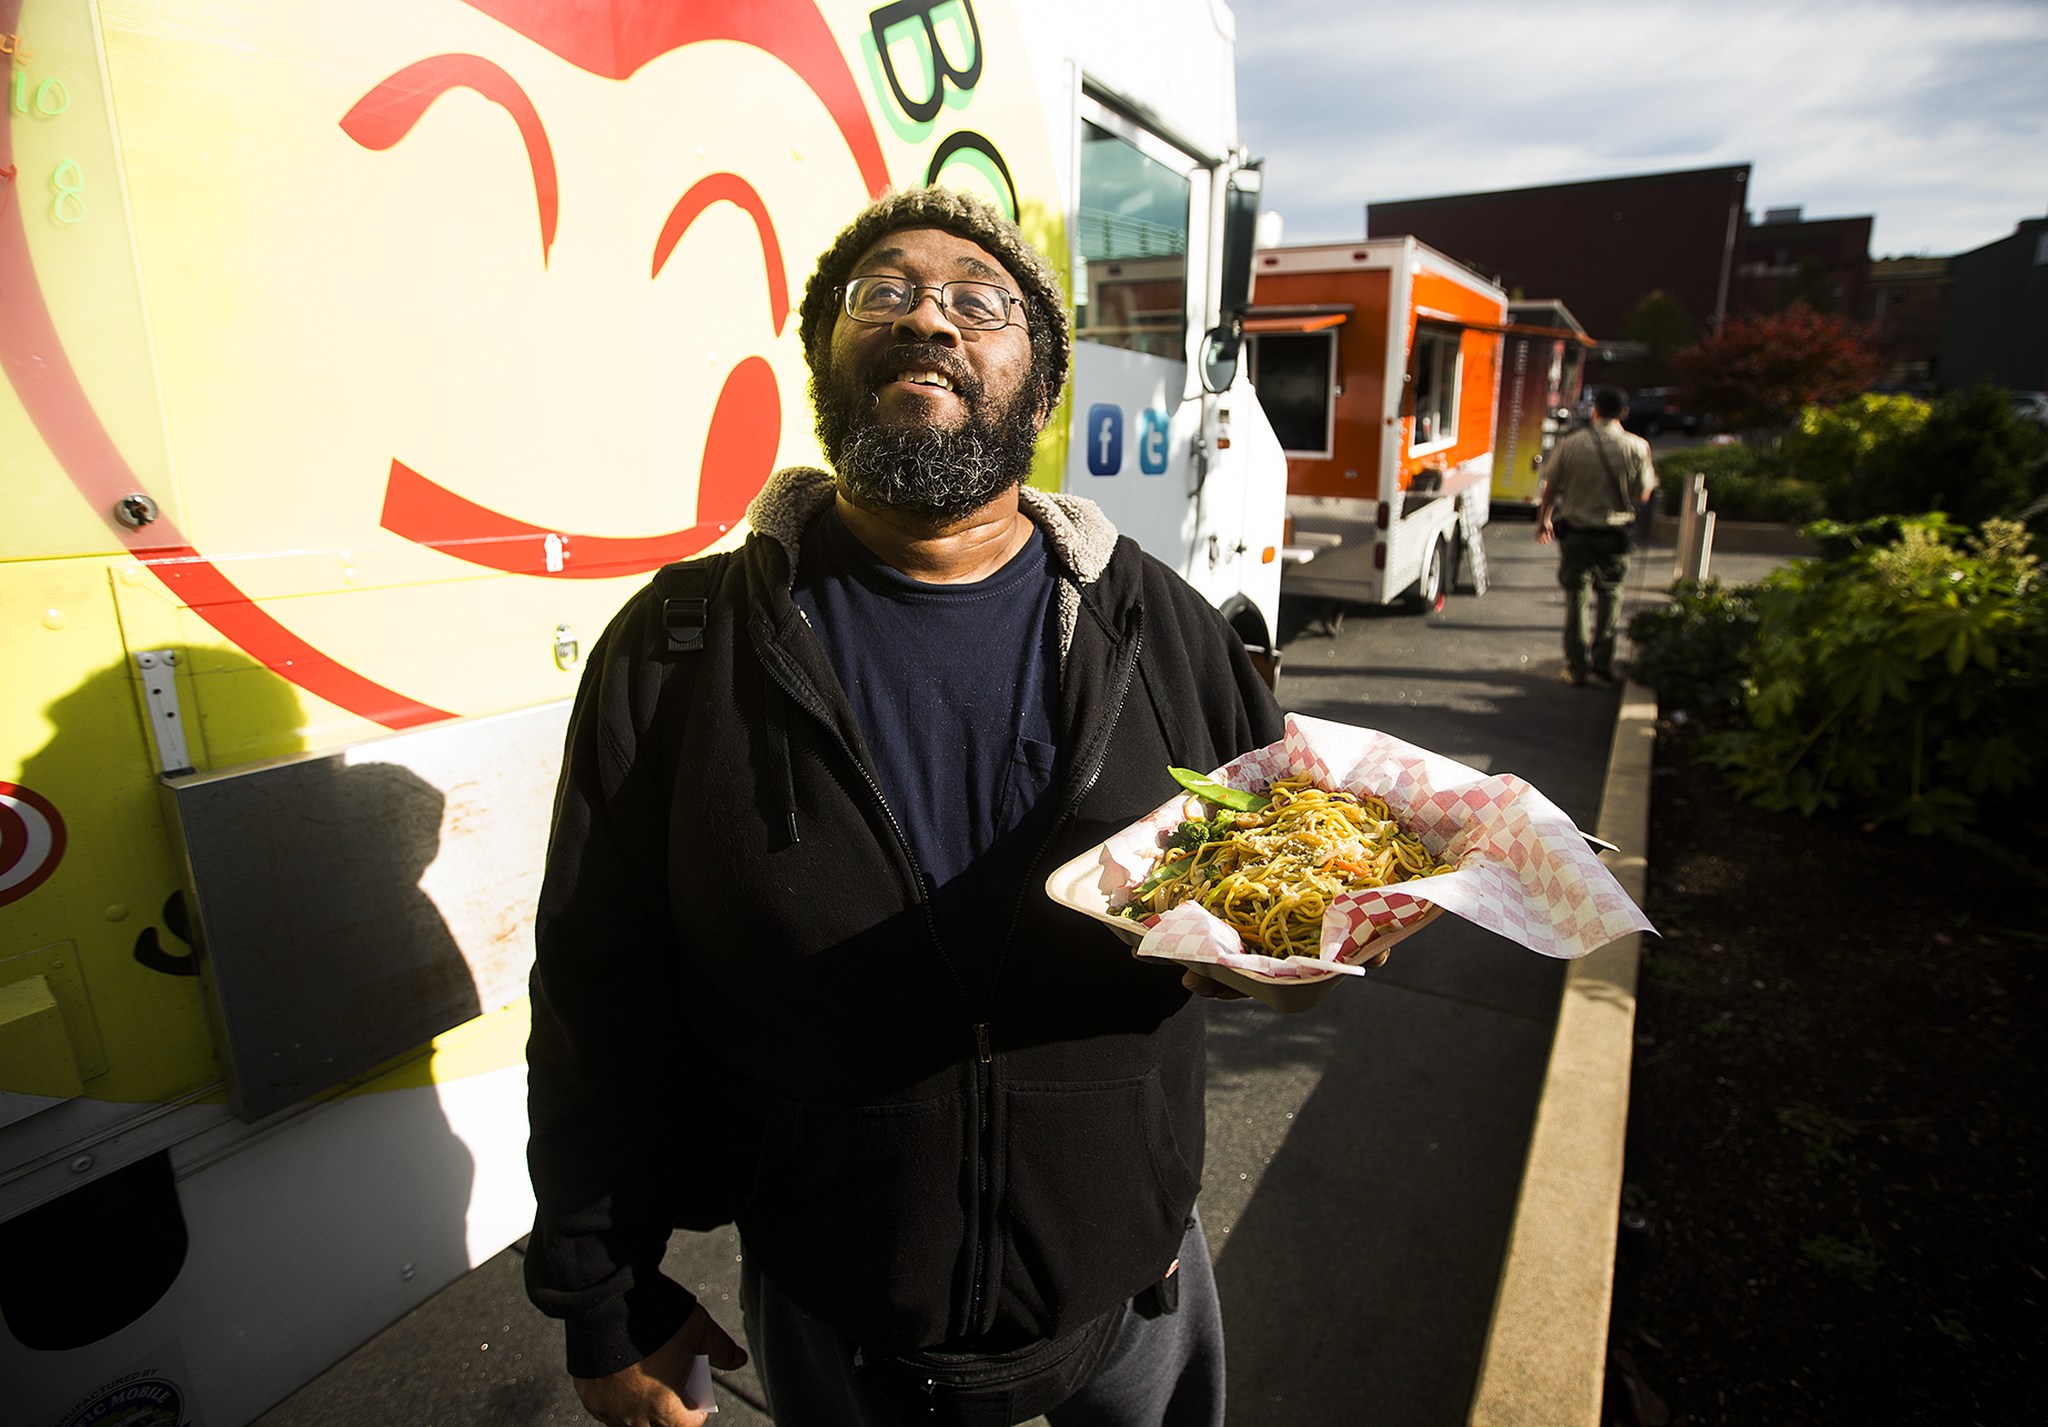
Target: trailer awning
1518,329
1317,318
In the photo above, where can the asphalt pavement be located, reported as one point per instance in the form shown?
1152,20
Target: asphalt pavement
1363,1159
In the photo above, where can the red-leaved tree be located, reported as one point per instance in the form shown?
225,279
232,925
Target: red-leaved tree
1759,371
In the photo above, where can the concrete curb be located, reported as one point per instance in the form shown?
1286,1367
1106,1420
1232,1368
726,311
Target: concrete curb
1546,1351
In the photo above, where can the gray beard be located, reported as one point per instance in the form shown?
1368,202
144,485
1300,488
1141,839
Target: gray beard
926,472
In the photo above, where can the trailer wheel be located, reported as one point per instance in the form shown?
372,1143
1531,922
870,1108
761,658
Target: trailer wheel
1427,595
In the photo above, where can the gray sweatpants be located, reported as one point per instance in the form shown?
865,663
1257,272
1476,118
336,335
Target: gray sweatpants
1166,1370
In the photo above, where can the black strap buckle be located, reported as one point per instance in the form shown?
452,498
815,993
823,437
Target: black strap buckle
684,618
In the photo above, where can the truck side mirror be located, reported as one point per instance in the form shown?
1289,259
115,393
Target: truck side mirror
1224,345
1221,350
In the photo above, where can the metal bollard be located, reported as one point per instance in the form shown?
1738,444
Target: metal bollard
1691,560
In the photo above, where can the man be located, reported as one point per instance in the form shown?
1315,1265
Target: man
796,969
1592,484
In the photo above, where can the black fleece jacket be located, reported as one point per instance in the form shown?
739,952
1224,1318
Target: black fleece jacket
741,1012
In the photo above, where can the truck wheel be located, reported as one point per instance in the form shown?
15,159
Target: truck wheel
1427,596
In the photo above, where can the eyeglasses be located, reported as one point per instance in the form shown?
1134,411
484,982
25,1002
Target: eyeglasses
971,306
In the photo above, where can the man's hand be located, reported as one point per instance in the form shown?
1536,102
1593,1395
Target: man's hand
649,1393
1544,533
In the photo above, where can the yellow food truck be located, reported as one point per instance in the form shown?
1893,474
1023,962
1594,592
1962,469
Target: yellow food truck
356,363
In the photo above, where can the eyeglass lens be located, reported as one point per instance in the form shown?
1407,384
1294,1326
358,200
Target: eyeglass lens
965,303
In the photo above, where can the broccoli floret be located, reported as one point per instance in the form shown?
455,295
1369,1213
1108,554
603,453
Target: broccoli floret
1190,834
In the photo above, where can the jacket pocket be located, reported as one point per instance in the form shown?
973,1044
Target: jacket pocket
1027,779
1097,1195
856,1214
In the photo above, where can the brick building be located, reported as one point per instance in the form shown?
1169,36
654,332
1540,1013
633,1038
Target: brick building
1600,247
1822,262
1906,303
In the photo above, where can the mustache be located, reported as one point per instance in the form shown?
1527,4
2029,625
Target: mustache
926,357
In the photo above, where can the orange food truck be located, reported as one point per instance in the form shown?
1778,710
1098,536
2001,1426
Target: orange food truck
1378,365
1541,371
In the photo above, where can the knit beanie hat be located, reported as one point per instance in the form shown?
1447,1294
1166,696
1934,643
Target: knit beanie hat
964,216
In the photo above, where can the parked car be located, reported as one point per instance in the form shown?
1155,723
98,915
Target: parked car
2031,405
1655,410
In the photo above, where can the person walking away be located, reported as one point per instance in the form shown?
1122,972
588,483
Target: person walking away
796,969
1593,484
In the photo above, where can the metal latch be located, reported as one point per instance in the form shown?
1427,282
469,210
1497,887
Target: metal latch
166,720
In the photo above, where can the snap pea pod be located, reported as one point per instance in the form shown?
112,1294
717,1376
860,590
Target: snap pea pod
1164,872
1203,786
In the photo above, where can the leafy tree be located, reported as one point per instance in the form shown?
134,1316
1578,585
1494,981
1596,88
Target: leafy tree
1661,324
1758,372
1811,284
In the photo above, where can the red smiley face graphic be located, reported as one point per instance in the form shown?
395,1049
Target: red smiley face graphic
608,40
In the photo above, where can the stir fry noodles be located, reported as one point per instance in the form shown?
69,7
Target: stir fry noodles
1272,872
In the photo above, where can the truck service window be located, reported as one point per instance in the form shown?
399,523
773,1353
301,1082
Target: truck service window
1132,245
1436,388
1293,373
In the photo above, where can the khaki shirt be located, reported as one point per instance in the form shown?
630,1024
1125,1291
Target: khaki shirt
1579,488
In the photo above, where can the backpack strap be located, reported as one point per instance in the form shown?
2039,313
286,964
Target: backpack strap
1621,487
686,591
686,610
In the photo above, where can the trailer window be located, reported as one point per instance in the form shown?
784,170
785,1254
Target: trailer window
1436,388
1132,245
1295,374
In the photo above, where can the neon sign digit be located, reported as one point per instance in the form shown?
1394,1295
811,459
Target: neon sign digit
69,205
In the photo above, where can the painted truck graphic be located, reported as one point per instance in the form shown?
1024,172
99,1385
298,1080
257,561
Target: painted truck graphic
1543,366
356,362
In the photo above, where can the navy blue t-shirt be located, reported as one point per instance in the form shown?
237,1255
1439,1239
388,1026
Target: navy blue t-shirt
956,689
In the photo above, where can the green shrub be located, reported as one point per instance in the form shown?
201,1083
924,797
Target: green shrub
1718,464
1829,445
1743,483
1694,650
1972,459
1905,675
1780,500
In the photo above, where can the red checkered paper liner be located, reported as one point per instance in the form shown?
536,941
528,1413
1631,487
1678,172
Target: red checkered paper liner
1523,868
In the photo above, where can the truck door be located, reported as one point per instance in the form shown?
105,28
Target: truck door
1157,451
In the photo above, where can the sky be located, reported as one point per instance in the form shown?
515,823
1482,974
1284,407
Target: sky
1930,116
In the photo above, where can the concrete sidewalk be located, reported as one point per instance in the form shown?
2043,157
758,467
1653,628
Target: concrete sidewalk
1366,1161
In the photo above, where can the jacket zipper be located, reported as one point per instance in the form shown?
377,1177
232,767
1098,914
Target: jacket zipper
799,690
772,660
984,1152
985,1080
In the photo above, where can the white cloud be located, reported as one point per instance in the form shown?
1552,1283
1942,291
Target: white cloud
1931,117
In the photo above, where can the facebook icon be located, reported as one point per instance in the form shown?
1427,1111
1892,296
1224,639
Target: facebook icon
1105,439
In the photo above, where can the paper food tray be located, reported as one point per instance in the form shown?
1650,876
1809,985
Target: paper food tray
1522,868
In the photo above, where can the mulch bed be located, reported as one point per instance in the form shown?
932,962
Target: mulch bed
1833,1201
